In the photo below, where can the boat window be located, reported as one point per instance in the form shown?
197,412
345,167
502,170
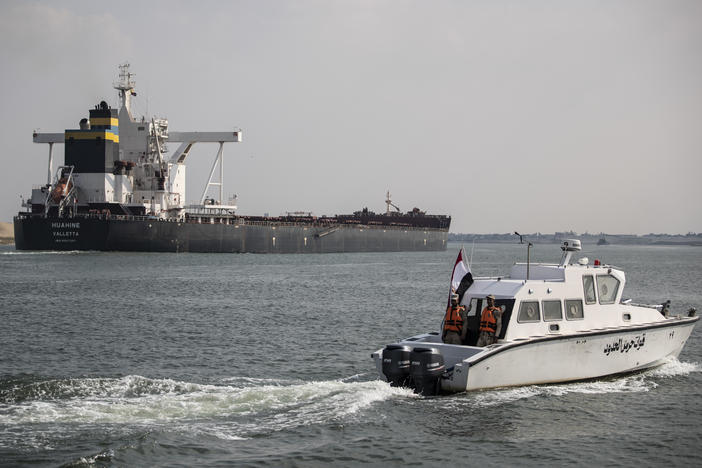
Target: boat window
574,309
528,312
607,287
552,310
473,307
589,287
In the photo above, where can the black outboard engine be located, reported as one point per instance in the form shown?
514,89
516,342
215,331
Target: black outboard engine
396,364
427,365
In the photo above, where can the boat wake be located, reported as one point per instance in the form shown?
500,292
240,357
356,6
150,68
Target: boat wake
45,252
240,409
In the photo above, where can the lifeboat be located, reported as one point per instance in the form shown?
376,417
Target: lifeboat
61,189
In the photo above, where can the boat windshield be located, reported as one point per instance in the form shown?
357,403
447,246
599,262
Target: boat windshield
607,287
589,287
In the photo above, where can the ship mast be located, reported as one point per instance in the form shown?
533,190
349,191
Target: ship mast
125,86
389,203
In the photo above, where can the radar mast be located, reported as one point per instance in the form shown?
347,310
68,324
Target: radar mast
125,86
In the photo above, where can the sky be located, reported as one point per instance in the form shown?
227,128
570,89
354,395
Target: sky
534,116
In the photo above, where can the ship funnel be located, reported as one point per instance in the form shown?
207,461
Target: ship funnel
568,247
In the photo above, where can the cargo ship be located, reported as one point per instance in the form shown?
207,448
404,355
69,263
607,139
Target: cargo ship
119,189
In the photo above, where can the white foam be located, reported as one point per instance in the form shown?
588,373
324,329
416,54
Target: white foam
357,377
107,455
222,431
44,252
673,367
140,400
632,384
249,381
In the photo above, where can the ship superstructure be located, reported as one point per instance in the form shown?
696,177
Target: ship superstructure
116,163
120,189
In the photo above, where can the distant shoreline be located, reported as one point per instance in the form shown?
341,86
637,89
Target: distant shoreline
7,233
691,239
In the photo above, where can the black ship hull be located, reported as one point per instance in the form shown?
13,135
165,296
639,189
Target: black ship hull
114,233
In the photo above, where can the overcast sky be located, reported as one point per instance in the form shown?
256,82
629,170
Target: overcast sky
536,116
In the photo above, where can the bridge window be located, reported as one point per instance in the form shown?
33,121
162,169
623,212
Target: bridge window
589,287
607,287
528,312
552,310
574,309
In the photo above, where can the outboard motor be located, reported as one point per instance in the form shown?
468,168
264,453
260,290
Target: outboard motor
396,364
427,365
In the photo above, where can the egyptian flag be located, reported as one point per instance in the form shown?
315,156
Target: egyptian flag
461,278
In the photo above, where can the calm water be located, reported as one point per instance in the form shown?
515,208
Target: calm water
264,360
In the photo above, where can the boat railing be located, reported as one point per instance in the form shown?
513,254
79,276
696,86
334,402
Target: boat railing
658,307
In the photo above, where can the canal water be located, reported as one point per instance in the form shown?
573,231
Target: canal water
133,359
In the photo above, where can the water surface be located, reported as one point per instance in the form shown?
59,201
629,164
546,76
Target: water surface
133,359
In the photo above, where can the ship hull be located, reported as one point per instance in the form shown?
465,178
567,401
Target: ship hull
154,235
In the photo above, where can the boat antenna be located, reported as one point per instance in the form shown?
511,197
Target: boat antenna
529,245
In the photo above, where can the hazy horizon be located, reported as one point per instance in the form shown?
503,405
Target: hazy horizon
536,116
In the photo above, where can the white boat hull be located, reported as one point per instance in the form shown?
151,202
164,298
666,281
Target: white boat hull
559,358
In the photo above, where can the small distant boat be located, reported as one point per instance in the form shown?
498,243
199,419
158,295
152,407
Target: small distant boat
560,322
602,240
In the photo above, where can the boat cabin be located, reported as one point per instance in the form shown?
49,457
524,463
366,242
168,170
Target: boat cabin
544,299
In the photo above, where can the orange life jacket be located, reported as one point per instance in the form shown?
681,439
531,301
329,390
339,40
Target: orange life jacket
452,320
488,323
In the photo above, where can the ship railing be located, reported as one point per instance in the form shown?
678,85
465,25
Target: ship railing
248,222
230,220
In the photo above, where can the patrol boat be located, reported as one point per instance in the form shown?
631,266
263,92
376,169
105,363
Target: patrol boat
560,322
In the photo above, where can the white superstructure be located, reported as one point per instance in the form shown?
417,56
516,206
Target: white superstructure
138,176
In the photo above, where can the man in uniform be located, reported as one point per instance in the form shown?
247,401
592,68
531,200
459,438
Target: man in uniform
454,322
490,323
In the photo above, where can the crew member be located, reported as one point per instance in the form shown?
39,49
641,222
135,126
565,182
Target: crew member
490,323
454,322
